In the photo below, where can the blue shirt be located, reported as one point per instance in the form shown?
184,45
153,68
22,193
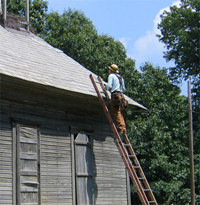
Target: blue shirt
114,83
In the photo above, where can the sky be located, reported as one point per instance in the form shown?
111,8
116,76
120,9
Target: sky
133,22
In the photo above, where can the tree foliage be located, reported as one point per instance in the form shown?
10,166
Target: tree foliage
75,35
160,135
180,28
71,32
180,32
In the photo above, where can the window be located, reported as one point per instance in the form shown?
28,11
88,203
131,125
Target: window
82,163
26,165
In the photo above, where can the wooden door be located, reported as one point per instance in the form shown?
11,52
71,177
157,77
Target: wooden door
84,169
28,169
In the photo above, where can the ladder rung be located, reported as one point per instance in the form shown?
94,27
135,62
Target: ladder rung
147,190
24,22
151,202
131,155
141,178
127,145
136,167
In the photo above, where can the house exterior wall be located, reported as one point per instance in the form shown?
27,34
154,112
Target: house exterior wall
55,115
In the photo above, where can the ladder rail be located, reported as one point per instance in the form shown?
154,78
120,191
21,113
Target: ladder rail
132,174
145,194
103,88
125,137
145,182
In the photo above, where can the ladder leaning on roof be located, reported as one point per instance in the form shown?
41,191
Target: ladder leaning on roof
127,153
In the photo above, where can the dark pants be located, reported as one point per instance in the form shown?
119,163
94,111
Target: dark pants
118,116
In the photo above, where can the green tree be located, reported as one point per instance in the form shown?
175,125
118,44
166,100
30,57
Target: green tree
160,134
71,32
75,35
180,32
180,28
38,12
106,52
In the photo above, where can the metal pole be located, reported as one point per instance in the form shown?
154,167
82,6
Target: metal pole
192,185
0,7
4,11
27,13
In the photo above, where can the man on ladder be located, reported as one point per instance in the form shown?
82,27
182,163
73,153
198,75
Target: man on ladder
116,86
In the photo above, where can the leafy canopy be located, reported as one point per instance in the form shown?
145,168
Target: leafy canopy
75,35
180,32
160,135
180,29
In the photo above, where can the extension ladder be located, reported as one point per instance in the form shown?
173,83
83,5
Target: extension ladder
127,153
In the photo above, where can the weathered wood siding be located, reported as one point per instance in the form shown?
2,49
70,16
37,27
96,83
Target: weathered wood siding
5,155
56,183
54,115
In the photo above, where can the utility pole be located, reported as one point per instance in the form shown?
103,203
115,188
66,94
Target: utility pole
192,185
27,13
4,11
0,8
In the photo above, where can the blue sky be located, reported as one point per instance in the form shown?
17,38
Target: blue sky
133,22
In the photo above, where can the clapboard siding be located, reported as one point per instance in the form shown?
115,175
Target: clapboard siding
54,120
56,182
56,167
110,174
5,157
55,155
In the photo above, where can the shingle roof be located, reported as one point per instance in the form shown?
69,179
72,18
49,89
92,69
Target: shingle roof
26,56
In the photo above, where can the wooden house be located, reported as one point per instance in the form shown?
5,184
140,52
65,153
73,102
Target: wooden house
56,145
